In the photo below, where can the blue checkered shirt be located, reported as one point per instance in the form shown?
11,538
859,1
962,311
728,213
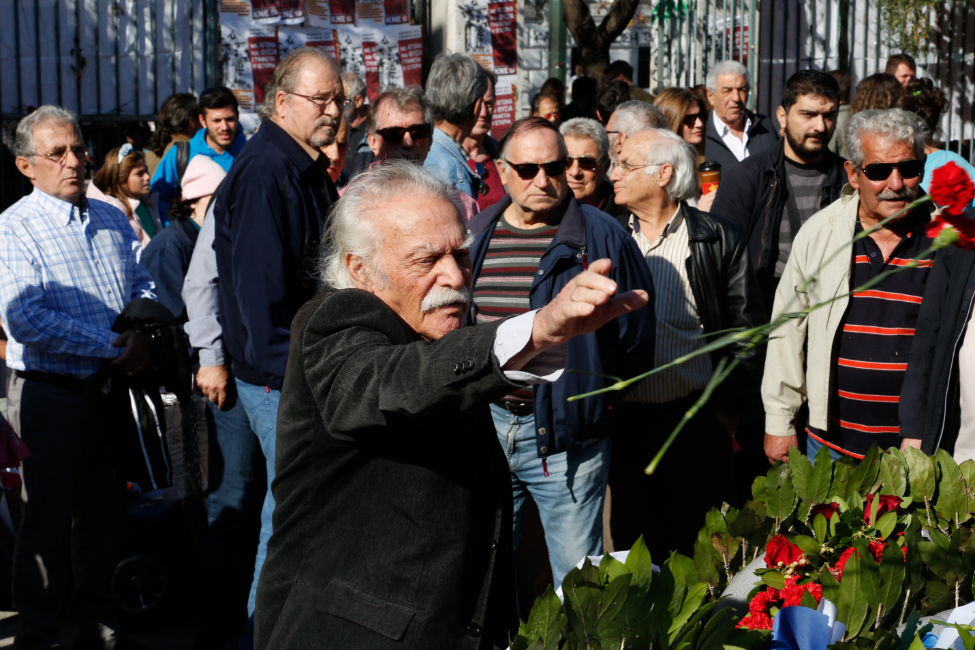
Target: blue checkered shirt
65,276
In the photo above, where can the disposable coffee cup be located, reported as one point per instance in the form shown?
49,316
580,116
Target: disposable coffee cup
710,174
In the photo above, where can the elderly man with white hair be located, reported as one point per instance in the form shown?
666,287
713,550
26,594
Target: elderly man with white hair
588,147
627,119
734,132
386,449
848,361
703,283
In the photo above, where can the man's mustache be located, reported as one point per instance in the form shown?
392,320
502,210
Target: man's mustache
903,194
439,297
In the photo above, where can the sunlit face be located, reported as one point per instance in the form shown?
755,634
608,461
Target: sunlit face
549,109
541,193
634,187
391,115
337,151
428,266
306,120
905,73
809,125
138,181
729,102
63,180
882,199
692,128
486,117
584,183
221,125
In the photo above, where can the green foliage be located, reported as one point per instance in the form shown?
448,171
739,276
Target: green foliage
908,24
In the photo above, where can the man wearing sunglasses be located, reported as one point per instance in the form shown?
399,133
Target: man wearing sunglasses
400,125
455,94
529,246
588,167
847,360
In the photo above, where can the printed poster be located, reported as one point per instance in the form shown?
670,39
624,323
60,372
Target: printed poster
477,33
349,41
504,106
265,12
370,12
292,12
397,12
291,38
317,12
728,34
342,12
249,52
501,19
410,43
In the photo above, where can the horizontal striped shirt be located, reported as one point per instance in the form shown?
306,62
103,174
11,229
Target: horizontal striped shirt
679,327
874,344
66,273
509,268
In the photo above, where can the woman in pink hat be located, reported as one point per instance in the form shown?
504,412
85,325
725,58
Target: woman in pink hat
168,254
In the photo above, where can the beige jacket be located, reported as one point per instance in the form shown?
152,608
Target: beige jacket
800,354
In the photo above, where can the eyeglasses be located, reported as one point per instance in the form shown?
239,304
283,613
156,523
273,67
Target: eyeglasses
626,168
342,102
586,162
690,120
528,171
552,116
60,154
395,134
881,171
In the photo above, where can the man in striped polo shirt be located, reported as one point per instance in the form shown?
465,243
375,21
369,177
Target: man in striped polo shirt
529,245
848,359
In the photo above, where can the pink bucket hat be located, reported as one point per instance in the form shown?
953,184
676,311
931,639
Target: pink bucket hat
201,178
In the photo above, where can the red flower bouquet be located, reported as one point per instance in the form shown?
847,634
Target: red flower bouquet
952,189
781,552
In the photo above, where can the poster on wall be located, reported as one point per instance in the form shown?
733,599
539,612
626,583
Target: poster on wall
265,11
370,12
504,41
349,41
249,52
504,105
317,13
477,32
727,34
410,42
292,12
291,38
342,12
397,12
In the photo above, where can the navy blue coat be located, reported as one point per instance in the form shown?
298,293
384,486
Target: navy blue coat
167,257
622,348
270,213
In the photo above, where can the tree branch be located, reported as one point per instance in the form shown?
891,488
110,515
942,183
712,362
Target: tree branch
619,16
579,20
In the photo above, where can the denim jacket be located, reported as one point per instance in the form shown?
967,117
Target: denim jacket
447,159
623,347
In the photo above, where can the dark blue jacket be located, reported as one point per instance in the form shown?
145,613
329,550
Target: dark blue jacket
762,134
167,257
622,348
270,213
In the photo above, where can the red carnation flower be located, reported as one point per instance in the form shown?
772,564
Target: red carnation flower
960,230
764,600
756,622
825,509
841,563
951,188
888,503
792,593
780,549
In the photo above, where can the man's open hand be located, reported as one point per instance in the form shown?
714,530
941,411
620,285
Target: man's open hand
137,353
584,305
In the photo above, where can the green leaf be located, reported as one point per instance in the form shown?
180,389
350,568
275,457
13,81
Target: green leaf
726,545
709,568
966,637
714,522
891,577
968,471
544,620
613,600
887,523
692,601
808,545
892,474
612,567
842,472
779,493
819,527
746,523
916,644
774,579
867,472
822,477
581,606
808,600
801,471
853,603
758,488
910,630
952,492
831,586
638,561
922,474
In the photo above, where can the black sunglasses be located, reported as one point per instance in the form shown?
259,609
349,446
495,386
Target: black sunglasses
881,171
585,162
395,134
689,120
527,171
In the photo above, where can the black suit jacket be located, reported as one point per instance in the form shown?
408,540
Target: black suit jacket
762,134
392,525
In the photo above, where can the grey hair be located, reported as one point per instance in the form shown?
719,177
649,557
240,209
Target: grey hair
584,127
670,149
356,87
403,98
893,125
285,77
353,228
24,144
455,83
726,67
633,116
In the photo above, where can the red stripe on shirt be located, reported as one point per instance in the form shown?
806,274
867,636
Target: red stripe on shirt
921,264
885,331
889,295
894,399
832,446
868,365
863,427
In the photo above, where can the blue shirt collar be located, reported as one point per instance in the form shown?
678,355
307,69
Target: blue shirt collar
239,141
60,210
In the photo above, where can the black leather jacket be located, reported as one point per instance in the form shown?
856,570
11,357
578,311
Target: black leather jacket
726,292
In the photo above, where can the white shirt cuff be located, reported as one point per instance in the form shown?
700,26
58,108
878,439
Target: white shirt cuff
512,337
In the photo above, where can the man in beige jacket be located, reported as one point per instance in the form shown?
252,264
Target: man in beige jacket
846,359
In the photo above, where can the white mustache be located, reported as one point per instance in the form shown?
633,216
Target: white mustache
439,297
905,194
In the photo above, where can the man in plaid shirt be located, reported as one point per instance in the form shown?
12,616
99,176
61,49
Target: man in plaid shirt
68,267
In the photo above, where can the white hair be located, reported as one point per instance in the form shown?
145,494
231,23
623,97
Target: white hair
632,116
354,227
670,149
726,67
893,125
584,127
24,144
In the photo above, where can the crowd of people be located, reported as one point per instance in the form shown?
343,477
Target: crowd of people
387,312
